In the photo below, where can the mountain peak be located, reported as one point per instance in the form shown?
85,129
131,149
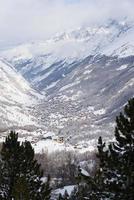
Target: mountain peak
81,42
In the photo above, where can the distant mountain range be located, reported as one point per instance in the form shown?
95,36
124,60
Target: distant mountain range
85,77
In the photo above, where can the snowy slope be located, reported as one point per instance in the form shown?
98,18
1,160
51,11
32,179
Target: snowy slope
38,61
15,97
87,75
77,43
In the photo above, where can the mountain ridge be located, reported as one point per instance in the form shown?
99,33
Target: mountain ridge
86,78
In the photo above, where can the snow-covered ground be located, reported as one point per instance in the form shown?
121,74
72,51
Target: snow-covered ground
16,98
82,88
114,38
79,43
69,189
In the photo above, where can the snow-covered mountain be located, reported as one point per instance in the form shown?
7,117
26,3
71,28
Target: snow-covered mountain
41,60
86,74
16,98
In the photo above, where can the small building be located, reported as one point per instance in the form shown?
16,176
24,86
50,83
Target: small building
47,138
58,139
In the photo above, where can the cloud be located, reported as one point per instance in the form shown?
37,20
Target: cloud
26,20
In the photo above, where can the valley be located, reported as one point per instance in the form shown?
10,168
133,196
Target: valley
72,85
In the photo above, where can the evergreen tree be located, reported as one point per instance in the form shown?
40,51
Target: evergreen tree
22,176
116,172
60,197
114,179
2,181
66,196
10,155
20,189
123,152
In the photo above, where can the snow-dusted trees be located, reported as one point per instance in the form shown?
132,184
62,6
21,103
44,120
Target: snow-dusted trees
21,176
122,152
114,179
117,161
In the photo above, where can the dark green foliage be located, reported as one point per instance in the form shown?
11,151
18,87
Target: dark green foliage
123,151
66,196
60,197
116,172
46,190
20,189
21,174
114,179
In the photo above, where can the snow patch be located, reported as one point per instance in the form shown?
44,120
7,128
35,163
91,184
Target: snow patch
122,67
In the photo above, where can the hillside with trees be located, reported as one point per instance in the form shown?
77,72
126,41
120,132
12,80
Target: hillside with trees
21,176
114,178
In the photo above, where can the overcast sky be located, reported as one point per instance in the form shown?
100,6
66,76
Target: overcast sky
30,20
